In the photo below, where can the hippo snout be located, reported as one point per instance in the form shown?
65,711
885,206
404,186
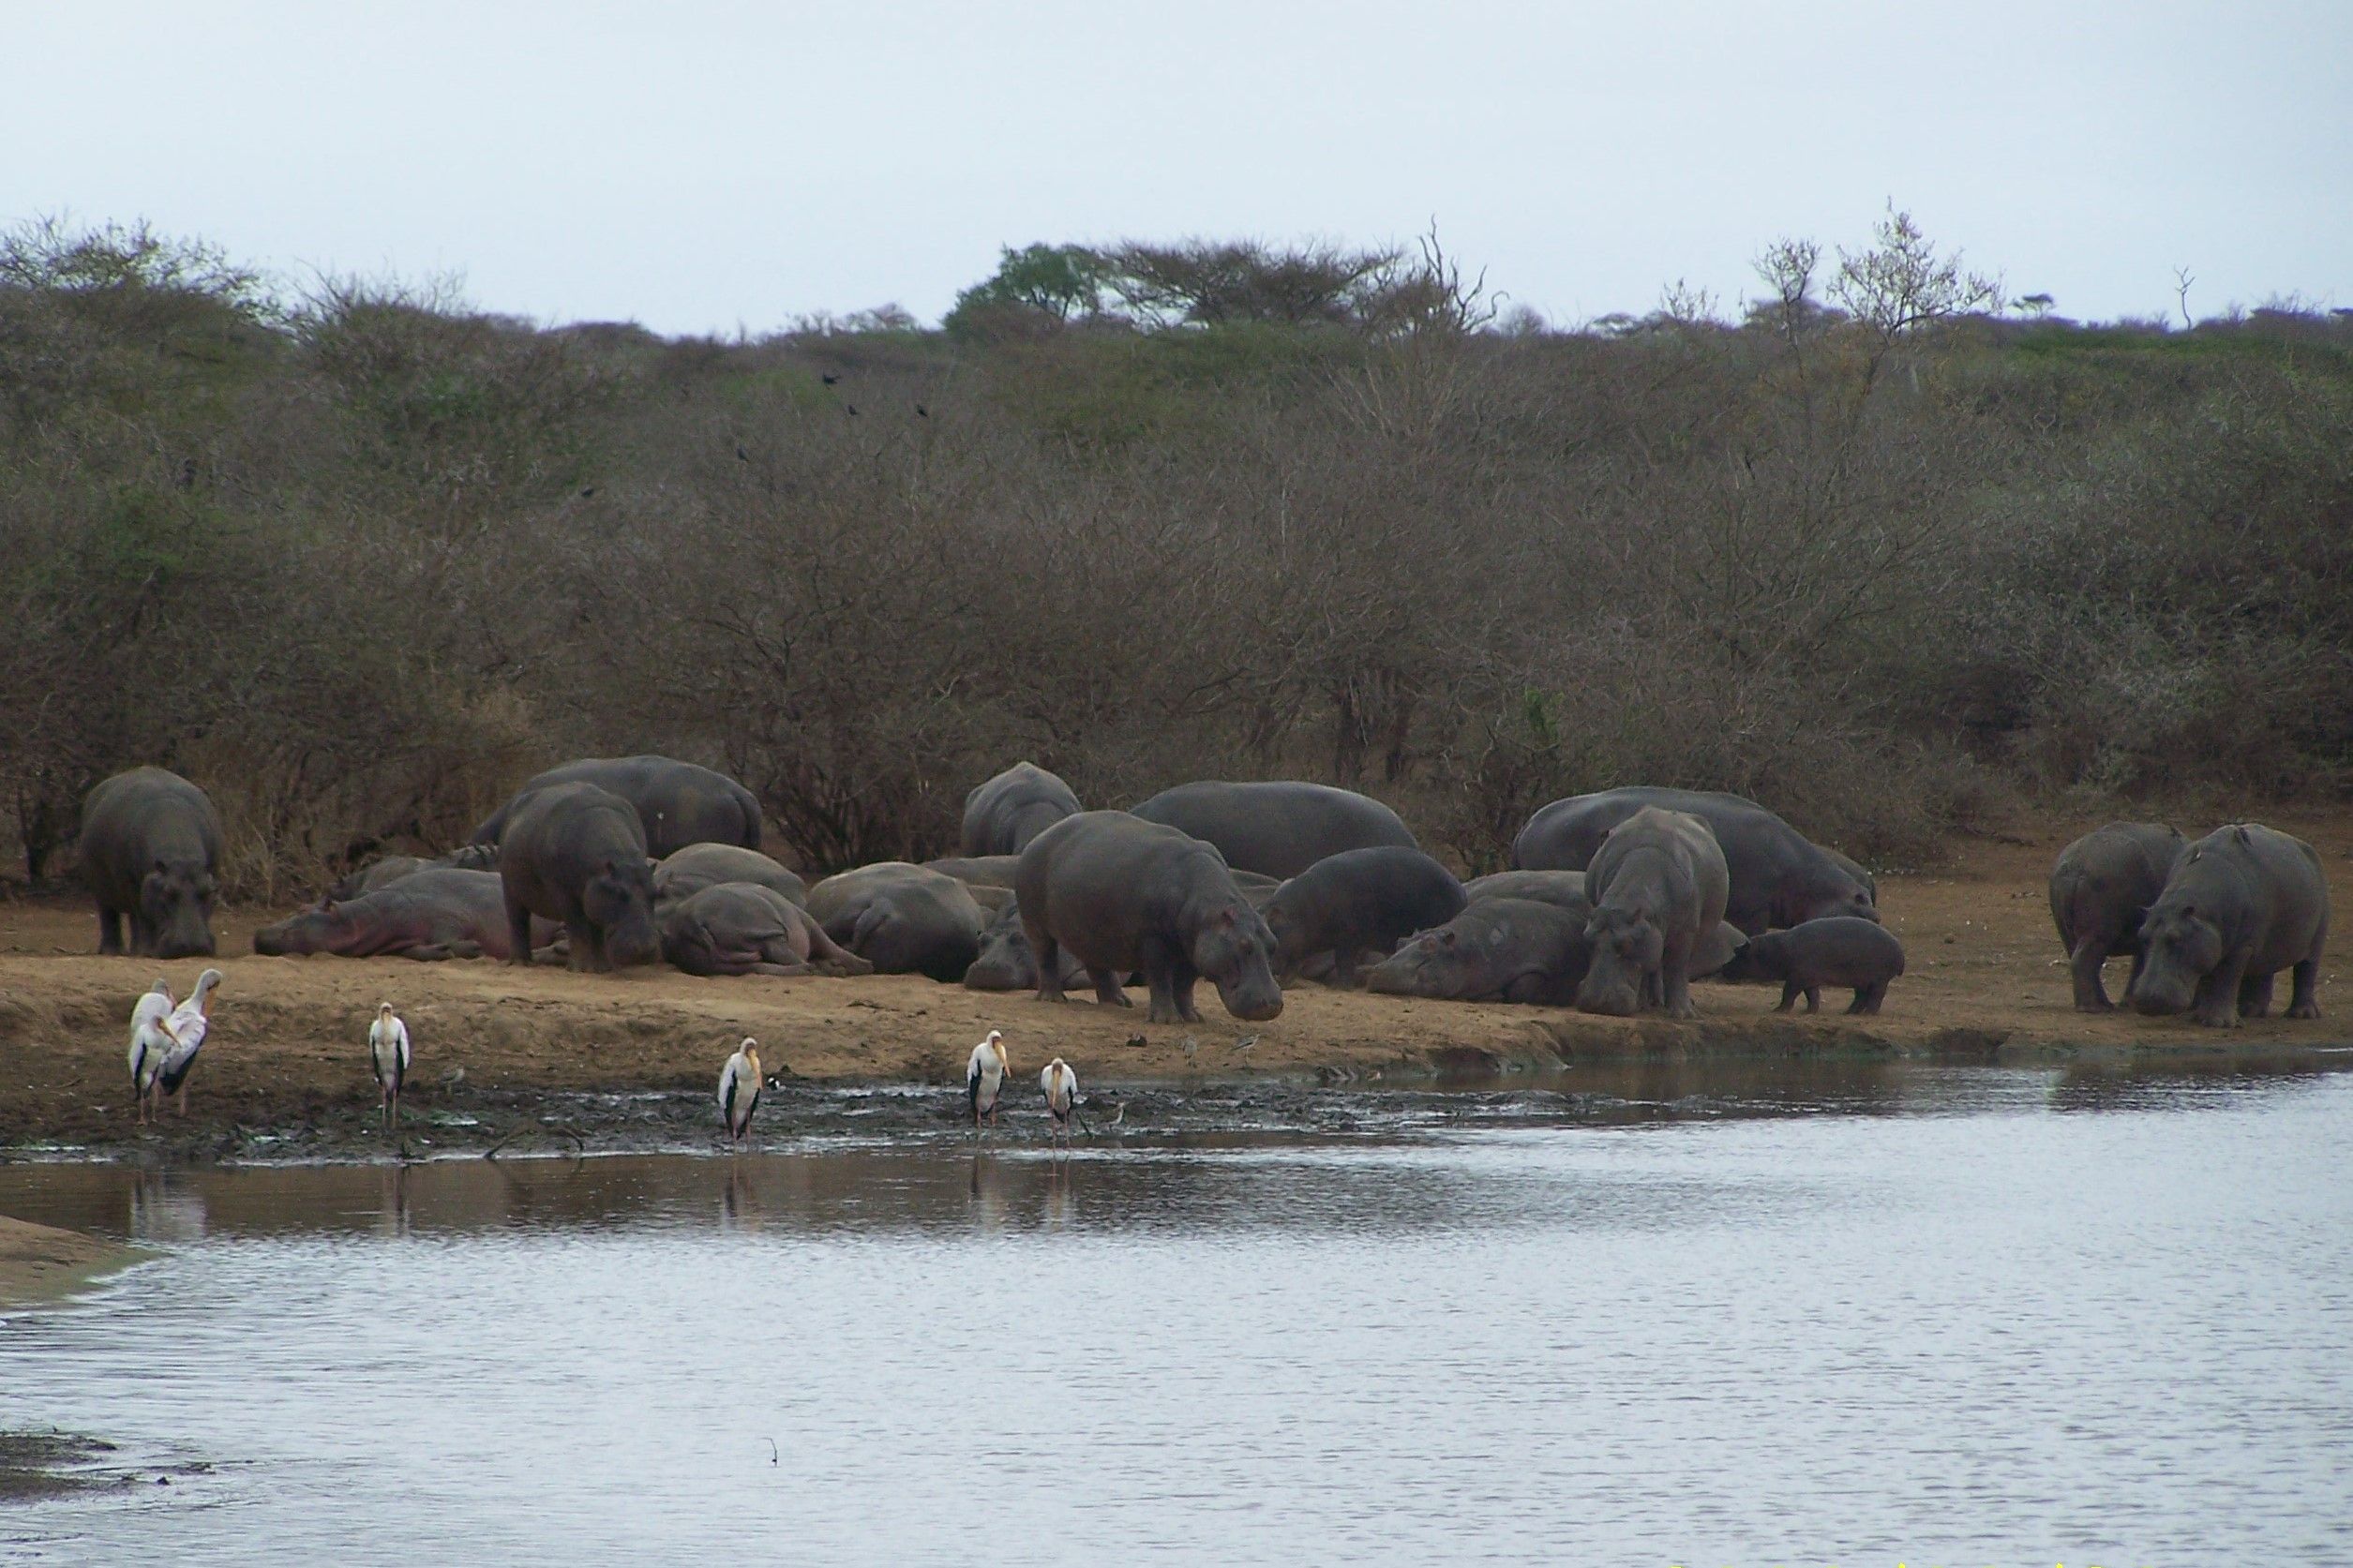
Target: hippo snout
1254,999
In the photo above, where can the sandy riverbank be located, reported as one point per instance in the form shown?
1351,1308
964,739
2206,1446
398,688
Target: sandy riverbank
1987,980
39,1262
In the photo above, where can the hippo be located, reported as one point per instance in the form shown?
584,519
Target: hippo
1123,894
1564,888
1497,949
684,872
151,850
2100,889
386,869
1855,870
677,803
2240,906
1002,815
1276,829
903,918
1355,900
748,928
1658,885
1006,961
1837,949
1778,877
437,912
977,871
576,854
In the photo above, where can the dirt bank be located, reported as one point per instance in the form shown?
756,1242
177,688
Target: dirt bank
39,1262
1987,980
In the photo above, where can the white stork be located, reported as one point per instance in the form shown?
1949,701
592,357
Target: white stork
983,1076
150,1042
740,1090
1061,1089
189,1022
388,1053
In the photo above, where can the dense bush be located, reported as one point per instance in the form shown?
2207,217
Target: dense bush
360,562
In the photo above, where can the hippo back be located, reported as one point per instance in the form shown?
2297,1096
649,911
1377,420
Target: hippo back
1003,814
903,918
677,803
1277,827
684,873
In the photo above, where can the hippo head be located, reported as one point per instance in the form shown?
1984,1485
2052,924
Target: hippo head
1235,950
1006,961
1290,938
1627,948
175,902
311,930
1440,962
619,902
2183,946
1762,957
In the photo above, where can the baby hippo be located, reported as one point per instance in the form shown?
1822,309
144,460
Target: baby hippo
1839,949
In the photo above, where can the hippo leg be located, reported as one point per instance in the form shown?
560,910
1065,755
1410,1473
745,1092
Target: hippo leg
110,931
1675,981
519,933
588,947
1049,956
1790,991
433,953
1344,967
1110,989
2086,962
1813,998
2302,1001
2254,996
1180,989
2218,993
1159,975
1867,998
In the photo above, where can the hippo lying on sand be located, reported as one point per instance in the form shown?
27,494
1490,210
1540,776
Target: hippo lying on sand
2241,904
386,869
687,872
1497,949
1122,894
743,928
2101,890
440,912
1006,961
901,918
1564,888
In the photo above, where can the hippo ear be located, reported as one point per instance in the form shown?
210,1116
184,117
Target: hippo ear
1450,936
158,865
1226,918
2240,832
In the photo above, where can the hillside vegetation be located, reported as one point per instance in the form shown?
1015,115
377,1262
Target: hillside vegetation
1874,552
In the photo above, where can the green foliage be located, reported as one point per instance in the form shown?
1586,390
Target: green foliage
1054,281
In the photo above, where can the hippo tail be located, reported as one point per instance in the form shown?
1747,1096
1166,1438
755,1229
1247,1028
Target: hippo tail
493,826
750,805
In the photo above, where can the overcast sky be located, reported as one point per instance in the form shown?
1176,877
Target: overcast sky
699,165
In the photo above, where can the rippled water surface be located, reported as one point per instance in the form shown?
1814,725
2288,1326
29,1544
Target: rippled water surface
1851,1315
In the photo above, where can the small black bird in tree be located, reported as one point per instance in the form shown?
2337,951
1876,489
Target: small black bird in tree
828,376
922,412
742,456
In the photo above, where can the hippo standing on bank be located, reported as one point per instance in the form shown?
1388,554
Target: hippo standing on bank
1355,900
151,851
2240,906
901,918
1002,815
1780,877
576,854
1497,949
1658,886
677,803
1839,949
2101,890
684,872
745,928
440,912
1120,894
1277,828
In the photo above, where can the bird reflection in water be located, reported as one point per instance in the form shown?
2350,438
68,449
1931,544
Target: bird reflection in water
392,1201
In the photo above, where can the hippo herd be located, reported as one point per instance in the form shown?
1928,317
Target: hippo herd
1616,904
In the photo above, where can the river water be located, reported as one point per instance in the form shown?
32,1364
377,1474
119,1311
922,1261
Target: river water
1853,1315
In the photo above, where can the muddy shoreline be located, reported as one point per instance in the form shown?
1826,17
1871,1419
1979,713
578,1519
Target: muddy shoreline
628,1061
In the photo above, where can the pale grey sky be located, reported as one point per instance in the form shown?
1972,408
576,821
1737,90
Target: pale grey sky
700,165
